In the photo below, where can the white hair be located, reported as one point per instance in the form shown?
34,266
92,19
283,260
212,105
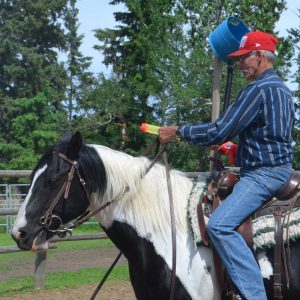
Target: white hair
144,200
269,55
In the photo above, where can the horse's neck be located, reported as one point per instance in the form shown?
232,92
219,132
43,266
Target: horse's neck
142,199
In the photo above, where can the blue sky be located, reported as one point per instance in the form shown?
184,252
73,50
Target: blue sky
99,14
95,14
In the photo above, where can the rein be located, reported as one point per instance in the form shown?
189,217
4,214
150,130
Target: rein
173,229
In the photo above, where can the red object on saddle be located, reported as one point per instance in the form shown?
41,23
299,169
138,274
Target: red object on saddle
230,149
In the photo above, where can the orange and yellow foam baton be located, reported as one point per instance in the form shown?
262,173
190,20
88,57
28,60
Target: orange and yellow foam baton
152,129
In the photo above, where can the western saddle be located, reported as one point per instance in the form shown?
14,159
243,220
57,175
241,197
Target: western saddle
280,206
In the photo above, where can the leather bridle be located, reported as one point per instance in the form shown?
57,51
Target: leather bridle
47,219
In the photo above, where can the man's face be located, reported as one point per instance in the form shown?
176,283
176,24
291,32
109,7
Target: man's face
250,65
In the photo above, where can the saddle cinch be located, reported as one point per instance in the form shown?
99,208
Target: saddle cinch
280,206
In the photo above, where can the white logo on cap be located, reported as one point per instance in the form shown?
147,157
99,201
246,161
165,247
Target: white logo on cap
243,41
257,44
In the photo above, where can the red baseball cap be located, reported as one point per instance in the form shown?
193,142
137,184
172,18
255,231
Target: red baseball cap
256,40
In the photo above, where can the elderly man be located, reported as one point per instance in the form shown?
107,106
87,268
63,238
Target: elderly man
262,116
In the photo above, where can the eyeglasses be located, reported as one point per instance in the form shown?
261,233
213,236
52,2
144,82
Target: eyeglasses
244,57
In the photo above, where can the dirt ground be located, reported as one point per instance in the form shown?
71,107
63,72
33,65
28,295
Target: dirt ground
76,259
112,290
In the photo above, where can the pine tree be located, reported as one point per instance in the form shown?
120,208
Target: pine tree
31,34
32,81
79,78
294,34
133,50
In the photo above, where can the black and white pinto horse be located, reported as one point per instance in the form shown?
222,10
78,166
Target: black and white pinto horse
138,222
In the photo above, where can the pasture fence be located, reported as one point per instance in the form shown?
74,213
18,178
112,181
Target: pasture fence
11,198
12,195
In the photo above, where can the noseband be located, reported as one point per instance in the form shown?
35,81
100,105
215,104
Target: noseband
49,219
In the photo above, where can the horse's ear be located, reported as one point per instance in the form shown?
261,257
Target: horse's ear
74,146
67,137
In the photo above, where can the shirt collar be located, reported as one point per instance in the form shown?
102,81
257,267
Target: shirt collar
266,73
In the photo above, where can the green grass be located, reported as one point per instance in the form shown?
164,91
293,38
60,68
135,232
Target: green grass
6,240
81,245
88,227
58,279
2,221
62,279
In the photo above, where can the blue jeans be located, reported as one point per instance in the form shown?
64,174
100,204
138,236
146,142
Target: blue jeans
256,186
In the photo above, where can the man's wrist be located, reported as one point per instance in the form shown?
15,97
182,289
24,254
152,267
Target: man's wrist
178,134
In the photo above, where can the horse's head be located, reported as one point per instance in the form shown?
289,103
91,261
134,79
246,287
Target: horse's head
62,182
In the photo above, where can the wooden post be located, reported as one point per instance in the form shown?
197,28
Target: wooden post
40,269
215,111
216,89
7,211
15,173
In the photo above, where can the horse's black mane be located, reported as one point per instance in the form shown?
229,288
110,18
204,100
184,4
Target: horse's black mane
91,166
93,170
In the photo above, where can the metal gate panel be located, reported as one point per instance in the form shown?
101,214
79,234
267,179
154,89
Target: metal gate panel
16,195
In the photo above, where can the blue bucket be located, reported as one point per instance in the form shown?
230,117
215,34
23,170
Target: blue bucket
226,37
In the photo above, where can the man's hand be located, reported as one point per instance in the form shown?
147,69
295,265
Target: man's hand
167,134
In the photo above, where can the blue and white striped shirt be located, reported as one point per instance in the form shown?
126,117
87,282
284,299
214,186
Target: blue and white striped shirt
262,116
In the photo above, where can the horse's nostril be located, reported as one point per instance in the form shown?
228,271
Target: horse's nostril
22,239
21,234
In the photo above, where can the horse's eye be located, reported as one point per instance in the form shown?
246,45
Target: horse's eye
51,181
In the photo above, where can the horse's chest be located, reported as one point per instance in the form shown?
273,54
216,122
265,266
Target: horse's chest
150,263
